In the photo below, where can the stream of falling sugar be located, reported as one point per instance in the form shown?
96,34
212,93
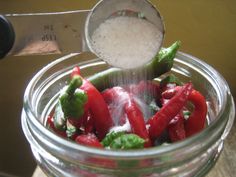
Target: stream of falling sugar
131,79
127,42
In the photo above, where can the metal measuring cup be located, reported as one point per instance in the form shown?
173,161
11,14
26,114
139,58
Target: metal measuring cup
65,32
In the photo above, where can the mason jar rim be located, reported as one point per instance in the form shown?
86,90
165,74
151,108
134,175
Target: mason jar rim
159,150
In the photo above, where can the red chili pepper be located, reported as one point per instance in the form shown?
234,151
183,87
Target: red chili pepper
88,140
85,123
75,71
110,95
170,92
136,120
133,112
117,113
159,122
99,109
116,104
176,129
123,119
88,123
197,119
144,87
51,125
76,122
102,120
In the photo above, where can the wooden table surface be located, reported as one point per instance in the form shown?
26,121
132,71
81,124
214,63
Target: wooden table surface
225,166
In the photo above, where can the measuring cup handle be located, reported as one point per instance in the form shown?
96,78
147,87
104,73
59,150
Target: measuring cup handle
7,36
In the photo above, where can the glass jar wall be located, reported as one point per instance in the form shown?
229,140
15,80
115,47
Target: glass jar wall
192,157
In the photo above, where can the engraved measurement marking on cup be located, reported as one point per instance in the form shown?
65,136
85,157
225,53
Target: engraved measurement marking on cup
48,33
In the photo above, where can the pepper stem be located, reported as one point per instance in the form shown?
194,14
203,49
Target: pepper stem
75,83
170,52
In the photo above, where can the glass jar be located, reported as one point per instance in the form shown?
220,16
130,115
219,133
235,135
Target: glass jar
194,156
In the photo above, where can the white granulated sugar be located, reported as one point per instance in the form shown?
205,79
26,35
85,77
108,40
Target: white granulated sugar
126,42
